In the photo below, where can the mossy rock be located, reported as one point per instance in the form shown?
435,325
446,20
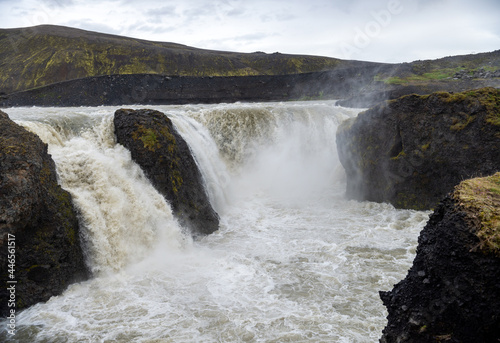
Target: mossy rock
40,215
167,161
412,151
480,199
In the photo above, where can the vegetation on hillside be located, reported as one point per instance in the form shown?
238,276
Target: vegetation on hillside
37,56
453,68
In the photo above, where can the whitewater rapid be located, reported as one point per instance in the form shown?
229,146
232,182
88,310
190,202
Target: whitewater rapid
293,260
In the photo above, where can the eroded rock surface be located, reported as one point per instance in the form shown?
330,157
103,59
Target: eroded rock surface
412,151
39,229
452,291
169,164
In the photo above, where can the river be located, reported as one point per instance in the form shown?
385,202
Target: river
293,260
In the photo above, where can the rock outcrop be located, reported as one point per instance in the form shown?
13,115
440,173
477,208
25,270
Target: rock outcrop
412,151
39,234
452,291
168,162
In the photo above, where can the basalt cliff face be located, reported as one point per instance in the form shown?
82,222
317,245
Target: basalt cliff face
39,233
161,89
169,164
412,151
452,291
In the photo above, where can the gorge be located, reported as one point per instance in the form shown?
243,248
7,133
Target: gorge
113,244
292,259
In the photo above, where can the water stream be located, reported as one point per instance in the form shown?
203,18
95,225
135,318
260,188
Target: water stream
293,261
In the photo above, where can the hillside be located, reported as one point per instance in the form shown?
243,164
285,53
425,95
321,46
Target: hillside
41,55
54,65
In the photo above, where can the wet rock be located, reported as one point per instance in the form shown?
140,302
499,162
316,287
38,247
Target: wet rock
459,252
169,164
412,151
39,229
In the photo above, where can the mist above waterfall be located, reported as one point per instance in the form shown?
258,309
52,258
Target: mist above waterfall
286,150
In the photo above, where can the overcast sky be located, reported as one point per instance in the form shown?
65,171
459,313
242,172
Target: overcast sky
370,30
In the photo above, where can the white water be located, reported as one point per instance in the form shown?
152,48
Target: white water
293,260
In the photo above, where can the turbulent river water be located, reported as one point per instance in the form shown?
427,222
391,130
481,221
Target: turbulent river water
293,260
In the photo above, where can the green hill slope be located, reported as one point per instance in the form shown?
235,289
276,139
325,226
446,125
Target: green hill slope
41,55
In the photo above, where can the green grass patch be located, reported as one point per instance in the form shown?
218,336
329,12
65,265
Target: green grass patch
420,76
480,197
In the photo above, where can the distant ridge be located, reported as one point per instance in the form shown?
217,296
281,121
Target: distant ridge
61,66
41,55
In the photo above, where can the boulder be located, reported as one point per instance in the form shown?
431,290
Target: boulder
167,161
412,151
40,249
452,291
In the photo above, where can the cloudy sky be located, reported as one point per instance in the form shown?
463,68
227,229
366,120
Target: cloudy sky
370,30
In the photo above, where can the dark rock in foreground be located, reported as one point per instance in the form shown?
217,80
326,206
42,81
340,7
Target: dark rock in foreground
452,291
39,232
167,161
412,151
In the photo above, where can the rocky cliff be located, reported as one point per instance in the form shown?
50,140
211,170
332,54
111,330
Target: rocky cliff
169,164
40,252
412,151
161,89
452,291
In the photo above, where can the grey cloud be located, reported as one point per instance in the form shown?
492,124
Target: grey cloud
196,12
157,15
58,3
152,28
162,11
236,12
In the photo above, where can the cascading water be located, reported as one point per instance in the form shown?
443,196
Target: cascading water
293,260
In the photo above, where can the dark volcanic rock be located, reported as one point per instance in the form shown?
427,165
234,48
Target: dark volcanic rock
452,291
162,89
167,161
412,151
37,219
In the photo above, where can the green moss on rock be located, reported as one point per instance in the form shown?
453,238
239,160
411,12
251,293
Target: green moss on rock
167,161
480,198
412,151
149,137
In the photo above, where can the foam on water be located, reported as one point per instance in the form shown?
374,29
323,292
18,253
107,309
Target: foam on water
293,260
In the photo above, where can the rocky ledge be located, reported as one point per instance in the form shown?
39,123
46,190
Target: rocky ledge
168,162
452,291
156,89
412,151
39,233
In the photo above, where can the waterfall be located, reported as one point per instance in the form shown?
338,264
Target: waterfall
122,216
286,149
292,261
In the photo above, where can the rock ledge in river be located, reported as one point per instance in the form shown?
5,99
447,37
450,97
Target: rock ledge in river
412,151
39,214
169,164
452,291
